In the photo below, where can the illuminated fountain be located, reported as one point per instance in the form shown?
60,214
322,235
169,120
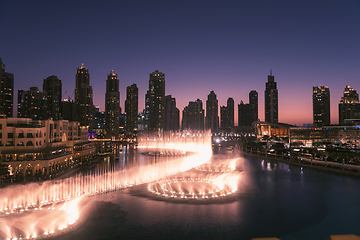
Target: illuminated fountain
216,181
43,210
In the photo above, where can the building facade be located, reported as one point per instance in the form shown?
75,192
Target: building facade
112,105
172,114
271,100
321,106
193,116
349,106
131,108
53,88
212,115
84,106
6,91
156,99
32,104
254,103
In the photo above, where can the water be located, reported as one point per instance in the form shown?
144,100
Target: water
277,200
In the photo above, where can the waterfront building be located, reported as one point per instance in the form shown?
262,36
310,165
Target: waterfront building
271,100
83,98
193,116
272,130
321,106
349,106
41,147
6,91
212,116
326,135
156,101
53,88
112,105
172,114
32,104
131,108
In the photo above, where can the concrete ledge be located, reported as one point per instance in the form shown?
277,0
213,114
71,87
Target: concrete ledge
343,237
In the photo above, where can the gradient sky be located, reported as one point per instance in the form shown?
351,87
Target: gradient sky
227,46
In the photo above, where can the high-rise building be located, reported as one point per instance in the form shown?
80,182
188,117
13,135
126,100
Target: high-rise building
6,91
131,108
53,88
253,101
193,116
230,113
224,121
112,105
156,95
244,114
84,106
68,110
271,100
321,106
20,103
349,106
172,114
212,116
33,104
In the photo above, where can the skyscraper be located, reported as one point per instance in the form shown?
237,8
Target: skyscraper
32,104
248,113
224,121
349,106
6,91
112,105
244,114
193,116
230,113
321,106
131,108
271,100
84,106
172,114
212,116
156,95
253,101
53,88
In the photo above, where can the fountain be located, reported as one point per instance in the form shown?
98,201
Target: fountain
34,210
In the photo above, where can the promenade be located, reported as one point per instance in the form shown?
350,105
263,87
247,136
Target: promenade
335,167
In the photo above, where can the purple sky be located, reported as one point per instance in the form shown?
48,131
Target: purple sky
226,46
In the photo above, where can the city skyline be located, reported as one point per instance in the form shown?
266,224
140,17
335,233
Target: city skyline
305,44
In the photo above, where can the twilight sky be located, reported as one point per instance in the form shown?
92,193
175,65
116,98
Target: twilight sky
227,46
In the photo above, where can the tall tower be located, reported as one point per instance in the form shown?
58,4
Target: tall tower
230,113
53,88
253,101
156,95
224,120
131,108
212,116
172,114
349,106
271,100
32,104
84,106
112,105
6,91
321,106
